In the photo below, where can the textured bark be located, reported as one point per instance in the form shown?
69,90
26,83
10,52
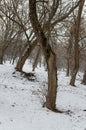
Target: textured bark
52,82
22,60
76,45
25,54
49,56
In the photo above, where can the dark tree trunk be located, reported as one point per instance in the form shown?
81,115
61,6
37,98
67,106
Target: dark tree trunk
25,54
76,66
1,55
68,67
76,45
49,56
1,59
22,60
52,82
84,78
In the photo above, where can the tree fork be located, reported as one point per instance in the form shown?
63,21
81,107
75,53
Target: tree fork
49,56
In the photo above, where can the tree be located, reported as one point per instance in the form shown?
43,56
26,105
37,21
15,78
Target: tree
8,35
43,36
49,56
76,42
17,12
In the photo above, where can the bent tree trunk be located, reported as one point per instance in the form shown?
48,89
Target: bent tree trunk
49,56
76,45
22,60
25,54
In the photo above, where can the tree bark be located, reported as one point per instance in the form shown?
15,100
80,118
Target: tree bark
69,52
22,60
1,57
36,59
84,78
76,45
49,56
2,51
25,54
52,82
68,67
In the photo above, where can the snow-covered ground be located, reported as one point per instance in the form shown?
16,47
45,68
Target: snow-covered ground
21,102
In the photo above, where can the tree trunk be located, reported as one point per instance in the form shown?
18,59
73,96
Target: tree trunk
1,55
52,82
1,59
76,45
84,78
76,66
72,82
49,56
69,51
36,59
22,60
25,54
68,67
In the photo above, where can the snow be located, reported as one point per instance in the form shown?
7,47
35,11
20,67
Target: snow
21,101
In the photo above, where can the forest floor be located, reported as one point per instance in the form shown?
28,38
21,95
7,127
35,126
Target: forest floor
21,101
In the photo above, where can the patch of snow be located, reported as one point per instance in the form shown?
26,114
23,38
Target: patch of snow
21,101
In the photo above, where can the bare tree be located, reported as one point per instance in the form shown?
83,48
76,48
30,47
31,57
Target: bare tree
17,12
8,35
76,42
43,35
49,56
